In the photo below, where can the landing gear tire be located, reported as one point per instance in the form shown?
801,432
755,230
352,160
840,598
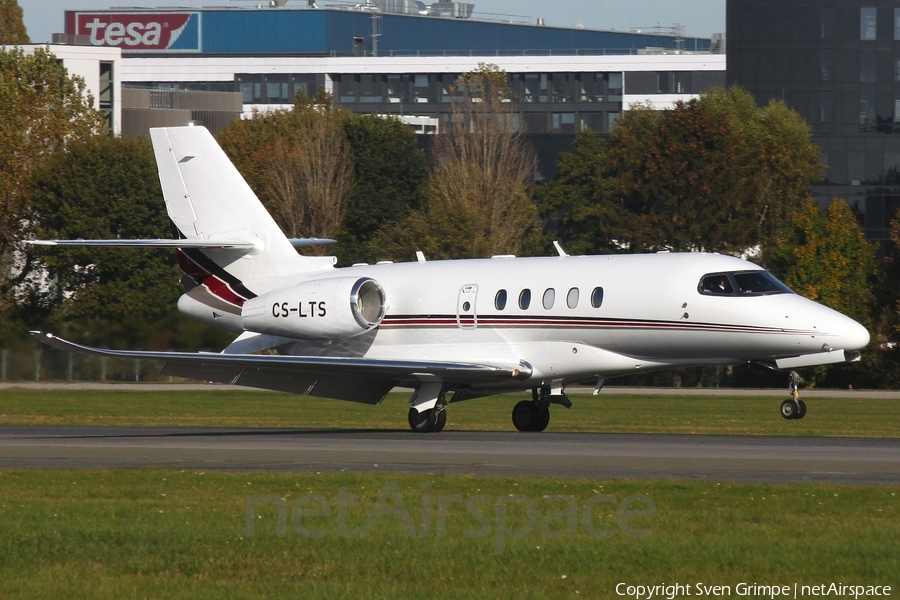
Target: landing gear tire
541,419
527,416
523,415
439,421
427,421
790,409
802,412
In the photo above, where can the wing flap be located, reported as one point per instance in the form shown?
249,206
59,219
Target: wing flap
239,366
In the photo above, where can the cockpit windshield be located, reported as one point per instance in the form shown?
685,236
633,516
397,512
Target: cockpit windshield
741,283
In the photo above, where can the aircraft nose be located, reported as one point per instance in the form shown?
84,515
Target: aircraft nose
853,336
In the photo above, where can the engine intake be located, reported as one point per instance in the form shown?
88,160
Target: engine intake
335,308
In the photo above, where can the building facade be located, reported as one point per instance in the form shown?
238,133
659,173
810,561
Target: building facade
837,63
99,67
563,80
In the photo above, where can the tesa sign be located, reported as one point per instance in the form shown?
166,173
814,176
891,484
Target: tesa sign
139,31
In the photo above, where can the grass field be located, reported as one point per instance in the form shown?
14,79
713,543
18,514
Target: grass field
604,413
186,534
183,534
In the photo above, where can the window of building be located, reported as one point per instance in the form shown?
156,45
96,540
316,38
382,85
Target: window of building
826,65
613,117
371,88
277,89
614,87
346,86
535,122
867,65
304,84
867,22
397,89
535,87
422,88
662,82
572,298
560,87
525,299
591,121
891,168
826,107
549,298
856,167
597,297
563,122
897,112
867,111
826,23
250,87
896,24
105,97
449,91
500,300
590,87
681,82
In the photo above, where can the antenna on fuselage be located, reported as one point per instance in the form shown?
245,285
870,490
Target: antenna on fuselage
559,249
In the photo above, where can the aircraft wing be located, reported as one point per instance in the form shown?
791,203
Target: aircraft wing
357,379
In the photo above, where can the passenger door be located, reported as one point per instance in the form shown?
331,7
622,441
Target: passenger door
465,307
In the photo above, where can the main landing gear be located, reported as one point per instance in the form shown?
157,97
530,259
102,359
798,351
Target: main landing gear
794,407
428,421
428,413
534,414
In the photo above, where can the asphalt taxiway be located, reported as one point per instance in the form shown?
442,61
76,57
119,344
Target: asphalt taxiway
633,456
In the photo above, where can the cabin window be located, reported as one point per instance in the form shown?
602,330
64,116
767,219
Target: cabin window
500,300
716,284
572,298
525,299
597,297
549,298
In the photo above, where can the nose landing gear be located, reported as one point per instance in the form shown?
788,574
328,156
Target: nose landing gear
794,407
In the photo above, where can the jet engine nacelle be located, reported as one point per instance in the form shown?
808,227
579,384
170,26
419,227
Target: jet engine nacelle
326,308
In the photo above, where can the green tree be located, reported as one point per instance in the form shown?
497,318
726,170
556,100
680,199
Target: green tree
716,173
482,168
825,257
299,164
41,110
102,188
391,180
12,27
777,153
389,171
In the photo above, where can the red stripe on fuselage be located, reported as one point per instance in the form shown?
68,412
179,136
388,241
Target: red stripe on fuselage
216,286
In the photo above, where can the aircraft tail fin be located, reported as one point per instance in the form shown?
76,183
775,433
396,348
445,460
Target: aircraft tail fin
209,201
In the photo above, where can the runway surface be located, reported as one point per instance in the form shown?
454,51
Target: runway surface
693,457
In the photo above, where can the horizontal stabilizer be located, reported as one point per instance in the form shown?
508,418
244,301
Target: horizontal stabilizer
396,371
310,241
208,244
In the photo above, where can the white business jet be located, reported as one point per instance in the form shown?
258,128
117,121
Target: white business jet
457,329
